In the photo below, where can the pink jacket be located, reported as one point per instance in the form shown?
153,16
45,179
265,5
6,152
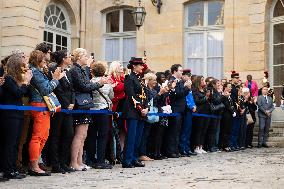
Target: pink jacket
254,88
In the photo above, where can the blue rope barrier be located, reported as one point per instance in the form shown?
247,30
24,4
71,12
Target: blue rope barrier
42,109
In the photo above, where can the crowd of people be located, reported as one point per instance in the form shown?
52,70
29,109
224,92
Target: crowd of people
151,115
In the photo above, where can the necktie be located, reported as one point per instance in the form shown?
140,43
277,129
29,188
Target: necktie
266,99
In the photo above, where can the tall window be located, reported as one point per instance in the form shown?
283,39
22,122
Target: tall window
277,47
204,36
57,32
120,36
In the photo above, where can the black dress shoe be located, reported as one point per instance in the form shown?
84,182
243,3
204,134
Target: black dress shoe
127,166
192,153
138,164
265,146
173,156
157,157
58,169
102,166
163,157
4,179
67,169
184,154
259,146
37,174
14,175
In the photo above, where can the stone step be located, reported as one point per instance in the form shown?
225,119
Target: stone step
270,144
271,134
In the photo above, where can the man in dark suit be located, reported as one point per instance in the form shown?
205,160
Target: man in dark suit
265,109
177,95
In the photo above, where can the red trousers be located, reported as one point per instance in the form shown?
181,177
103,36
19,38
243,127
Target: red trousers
40,131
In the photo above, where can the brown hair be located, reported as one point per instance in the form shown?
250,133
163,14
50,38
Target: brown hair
36,57
98,69
16,67
198,82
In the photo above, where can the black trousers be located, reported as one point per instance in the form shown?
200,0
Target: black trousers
60,139
211,132
225,130
25,151
250,128
143,151
172,135
11,129
97,138
201,125
156,139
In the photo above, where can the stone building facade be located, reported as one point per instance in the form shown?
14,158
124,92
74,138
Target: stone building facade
211,37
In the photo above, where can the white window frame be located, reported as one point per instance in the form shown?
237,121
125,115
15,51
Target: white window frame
57,31
205,29
273,21
117,35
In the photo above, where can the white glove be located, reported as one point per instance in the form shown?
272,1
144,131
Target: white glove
234,114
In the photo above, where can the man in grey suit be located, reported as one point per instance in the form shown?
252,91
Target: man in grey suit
265,109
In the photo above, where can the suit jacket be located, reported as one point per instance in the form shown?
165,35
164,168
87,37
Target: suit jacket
264,105
177,97
64,91
133,91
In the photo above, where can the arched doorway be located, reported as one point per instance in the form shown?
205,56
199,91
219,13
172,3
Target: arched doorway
277,47
57,32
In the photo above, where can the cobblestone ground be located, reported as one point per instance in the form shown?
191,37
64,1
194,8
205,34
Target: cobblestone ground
253,168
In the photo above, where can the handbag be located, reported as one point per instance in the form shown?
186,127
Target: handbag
152,118
51,101
249,119
84,101
217,108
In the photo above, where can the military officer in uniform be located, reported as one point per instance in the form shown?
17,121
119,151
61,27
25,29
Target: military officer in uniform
134,111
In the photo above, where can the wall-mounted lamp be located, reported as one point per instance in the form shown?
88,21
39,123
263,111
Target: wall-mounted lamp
158,4
139,14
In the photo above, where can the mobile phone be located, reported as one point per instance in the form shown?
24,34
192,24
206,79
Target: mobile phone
93,54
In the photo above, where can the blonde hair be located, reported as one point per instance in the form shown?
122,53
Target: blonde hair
78,53
113,68
149,76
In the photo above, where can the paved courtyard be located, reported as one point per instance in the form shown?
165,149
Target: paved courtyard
253,168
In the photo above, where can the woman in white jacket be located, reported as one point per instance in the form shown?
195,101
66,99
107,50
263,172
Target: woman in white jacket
98,132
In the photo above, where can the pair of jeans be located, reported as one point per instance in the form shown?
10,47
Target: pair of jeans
133,140
185,134
11,128
235,132
98,134
60,139
172,135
